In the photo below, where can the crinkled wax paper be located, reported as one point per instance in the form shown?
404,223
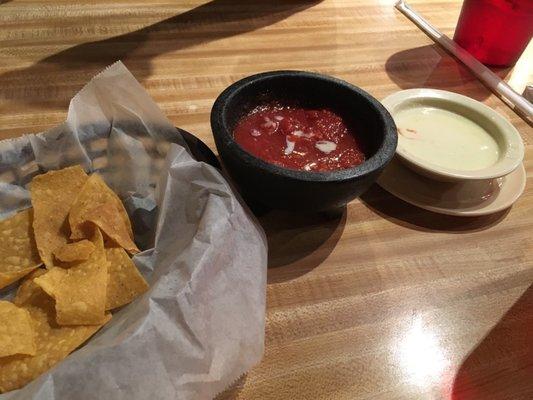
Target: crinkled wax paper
201,325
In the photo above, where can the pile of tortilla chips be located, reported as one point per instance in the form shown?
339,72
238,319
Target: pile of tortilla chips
79,229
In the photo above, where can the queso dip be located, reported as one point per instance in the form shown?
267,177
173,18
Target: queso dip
445,139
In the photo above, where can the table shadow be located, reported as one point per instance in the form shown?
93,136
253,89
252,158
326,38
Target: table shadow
501,365
298,243
431,67
404,214
214,20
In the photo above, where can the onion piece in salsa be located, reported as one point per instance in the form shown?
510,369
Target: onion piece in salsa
299,138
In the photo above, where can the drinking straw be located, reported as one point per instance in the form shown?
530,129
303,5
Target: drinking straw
518,103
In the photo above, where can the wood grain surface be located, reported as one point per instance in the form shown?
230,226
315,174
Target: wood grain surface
384,301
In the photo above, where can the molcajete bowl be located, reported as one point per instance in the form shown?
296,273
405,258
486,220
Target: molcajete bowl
298,190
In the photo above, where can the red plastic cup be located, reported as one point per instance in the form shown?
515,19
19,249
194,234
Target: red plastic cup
496,32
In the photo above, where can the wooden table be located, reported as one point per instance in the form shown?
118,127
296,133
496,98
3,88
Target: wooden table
384,302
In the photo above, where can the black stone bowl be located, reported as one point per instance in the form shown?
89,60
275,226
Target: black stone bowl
282,188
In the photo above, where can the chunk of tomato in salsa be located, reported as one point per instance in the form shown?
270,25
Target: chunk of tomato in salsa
299,138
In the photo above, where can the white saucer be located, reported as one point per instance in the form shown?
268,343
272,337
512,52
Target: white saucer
464,198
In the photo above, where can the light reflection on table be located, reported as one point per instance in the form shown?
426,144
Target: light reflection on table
422,358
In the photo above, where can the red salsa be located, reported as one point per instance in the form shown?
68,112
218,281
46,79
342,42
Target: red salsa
298,138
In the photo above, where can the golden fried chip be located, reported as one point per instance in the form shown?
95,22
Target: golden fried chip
106,217
16,331
80,291
28,288
77,251
96,196
53,342
18,252
52,195
124,282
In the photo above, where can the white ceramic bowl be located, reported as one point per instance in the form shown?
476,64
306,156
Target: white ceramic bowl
509,142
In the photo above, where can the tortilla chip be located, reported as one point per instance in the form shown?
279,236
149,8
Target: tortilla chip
52,195
106,217
77,251
18,252
124,282
96,193
28,288
79,292
16,331
53,342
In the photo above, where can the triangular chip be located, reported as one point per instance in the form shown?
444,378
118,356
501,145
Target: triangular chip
18,252
52,196
125,282
97,197
77,251
16,331
80,291
53,342
106,217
